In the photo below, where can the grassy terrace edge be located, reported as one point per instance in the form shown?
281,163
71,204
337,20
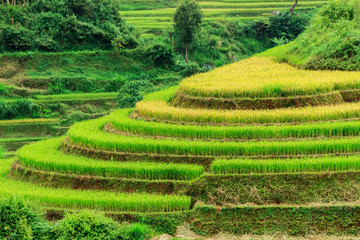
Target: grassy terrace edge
219,189
123,123
100,140
46,156
98,200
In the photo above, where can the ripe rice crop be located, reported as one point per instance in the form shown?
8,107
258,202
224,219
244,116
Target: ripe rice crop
260,77
98,200
162,111
121,121
77,96
28,121
79,134
46,156
247,166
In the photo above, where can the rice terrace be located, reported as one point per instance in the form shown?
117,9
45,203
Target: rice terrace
169,120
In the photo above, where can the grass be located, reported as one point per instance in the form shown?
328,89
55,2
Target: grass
260,77
97,200
224,10
121,121
210,12
247,166
37,121
78,96
23,139
79,134
2,152
46,156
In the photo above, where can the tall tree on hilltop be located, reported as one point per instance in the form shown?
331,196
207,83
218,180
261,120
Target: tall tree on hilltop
187,19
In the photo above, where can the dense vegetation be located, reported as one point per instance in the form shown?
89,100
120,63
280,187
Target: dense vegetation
283,143
330,42
42,25
20,221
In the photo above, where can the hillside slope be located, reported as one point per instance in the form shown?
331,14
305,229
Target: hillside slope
331,42
156,16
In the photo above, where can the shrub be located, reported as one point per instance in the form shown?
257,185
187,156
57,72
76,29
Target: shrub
130,94
17,108
87,225
136,232
19,221
55,25
161,55
92,226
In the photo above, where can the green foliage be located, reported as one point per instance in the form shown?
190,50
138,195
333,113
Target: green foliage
2,152
187,19
331,41
17,108
279,41
4,90
130,94
87,225
160,55
136,231
18,221
46,25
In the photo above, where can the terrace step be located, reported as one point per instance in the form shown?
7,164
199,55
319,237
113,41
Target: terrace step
96,200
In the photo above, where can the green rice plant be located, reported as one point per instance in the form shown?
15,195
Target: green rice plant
97,200
98,139
247,166
121,121
46,156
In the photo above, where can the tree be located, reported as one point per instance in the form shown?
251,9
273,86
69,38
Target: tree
293,8
187,19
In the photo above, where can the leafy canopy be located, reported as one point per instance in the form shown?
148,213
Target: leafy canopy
187,19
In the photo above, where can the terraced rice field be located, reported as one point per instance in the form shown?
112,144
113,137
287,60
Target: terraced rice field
297,165
156,16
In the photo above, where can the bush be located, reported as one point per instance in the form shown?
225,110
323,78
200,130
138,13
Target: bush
86,225
18,221
136,231
160,55
56,25
130,94
190,69
17,108
92,226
